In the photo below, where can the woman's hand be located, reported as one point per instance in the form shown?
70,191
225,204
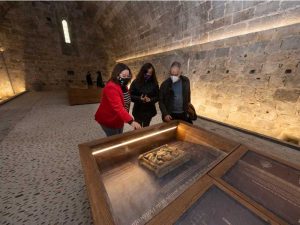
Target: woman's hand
143,98
147,99
168,118
135,125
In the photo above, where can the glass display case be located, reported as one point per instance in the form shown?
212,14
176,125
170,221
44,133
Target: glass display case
124,192
268,183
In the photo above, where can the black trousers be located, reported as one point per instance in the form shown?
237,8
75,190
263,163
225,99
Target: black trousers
144,122
181,116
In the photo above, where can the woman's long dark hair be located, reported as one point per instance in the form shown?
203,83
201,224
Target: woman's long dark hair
117,70
140,78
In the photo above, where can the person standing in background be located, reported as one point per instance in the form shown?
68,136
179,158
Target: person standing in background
100,82
175,95
144,92
113,111
89,80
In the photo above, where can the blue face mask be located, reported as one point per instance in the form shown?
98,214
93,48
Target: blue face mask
147,76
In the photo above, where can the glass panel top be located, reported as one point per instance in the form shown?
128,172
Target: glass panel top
136,195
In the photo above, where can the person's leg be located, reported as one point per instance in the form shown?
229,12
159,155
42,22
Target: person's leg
176,116
147,121
181,116
120,130
186,118
111,131
138,120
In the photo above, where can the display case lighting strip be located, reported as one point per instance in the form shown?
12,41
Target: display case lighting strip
133,140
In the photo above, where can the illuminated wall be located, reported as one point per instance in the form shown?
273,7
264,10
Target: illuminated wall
5,84
242,57
12,75
12,79
254,85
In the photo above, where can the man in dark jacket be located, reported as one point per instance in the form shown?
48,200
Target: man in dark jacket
175,95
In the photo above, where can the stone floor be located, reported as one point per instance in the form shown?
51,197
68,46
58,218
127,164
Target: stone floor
41,178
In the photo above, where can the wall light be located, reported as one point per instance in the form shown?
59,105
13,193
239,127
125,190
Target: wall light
133,140
2,49
216,35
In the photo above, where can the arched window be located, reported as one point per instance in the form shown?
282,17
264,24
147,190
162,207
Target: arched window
66,31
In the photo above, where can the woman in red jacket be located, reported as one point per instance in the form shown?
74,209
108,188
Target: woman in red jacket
113,111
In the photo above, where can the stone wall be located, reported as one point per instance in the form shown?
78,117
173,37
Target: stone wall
243,58
136,28
35,52
12,79
250,81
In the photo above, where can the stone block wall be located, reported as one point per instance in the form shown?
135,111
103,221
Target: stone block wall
243,58
254,84
35,52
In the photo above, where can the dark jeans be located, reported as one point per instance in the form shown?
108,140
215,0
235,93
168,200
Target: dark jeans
181,116
144,122
111,131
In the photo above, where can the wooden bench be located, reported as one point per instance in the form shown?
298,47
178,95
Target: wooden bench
80,96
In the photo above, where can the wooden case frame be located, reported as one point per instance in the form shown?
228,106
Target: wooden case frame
222,168
170,214
184,131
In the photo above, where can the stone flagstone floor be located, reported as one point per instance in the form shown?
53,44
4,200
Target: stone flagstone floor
41,177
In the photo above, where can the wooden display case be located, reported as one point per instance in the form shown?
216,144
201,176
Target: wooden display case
122,192
80,96
270,184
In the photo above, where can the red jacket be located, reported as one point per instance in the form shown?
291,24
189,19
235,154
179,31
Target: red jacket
111,112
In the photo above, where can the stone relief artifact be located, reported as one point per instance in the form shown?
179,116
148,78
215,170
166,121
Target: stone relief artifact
163,159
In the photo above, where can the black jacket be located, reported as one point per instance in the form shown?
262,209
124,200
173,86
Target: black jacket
141,109
166,95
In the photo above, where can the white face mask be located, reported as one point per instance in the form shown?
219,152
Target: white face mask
174,78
